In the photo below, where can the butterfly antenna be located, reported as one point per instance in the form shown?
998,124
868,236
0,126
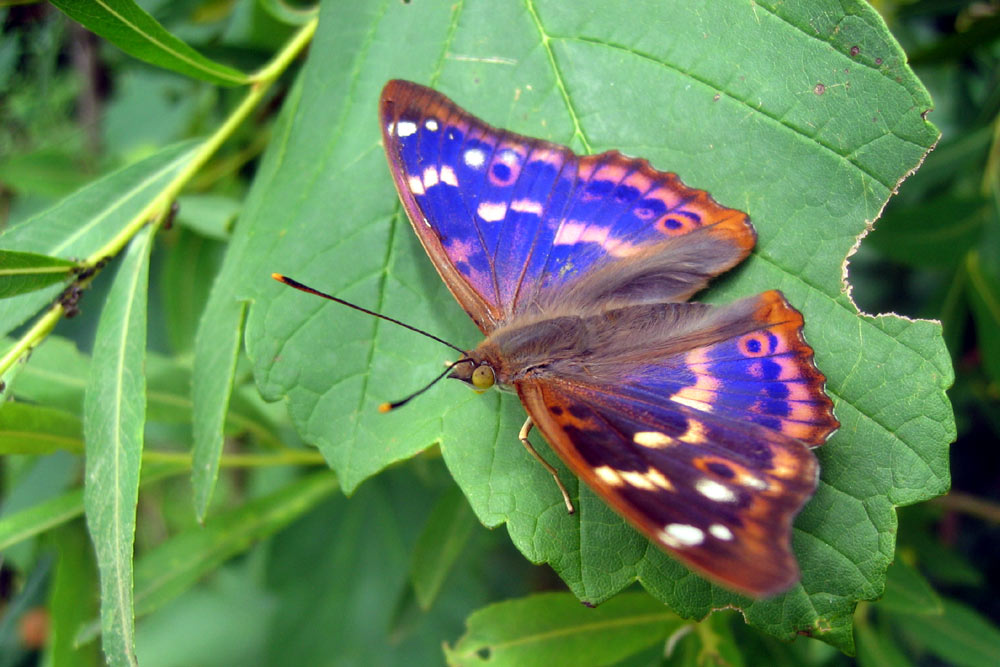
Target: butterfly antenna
386,407
305,288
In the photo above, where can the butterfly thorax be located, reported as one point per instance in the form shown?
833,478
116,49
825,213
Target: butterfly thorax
599,344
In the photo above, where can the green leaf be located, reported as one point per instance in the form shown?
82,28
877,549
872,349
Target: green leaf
85,221
114,419
130,28
554,628
934,233
287,13
22,272
960,636
878,649
72,598
984,296
174,566
220,330
16,527
907,592
57,375
191,265
812,164
36,429
442,541
211,216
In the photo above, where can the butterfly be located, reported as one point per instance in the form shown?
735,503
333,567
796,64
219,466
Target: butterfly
693,421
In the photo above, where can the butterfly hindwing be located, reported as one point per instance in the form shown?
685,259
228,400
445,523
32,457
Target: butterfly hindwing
701,450
505,217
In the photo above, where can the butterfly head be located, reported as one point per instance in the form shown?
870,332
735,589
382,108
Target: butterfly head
477,374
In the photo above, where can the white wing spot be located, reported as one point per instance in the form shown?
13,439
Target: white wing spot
637,479
508,157
695,433
608,475
527,206
720,531
753,482
692,403
431,124
714,491
653,439
659,479
475,158
405,128
416,185
448,176
492,211
430,177
680,535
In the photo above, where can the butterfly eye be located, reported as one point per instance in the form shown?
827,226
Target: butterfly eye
483,378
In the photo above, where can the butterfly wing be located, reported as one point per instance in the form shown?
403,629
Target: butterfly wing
505,217
705,451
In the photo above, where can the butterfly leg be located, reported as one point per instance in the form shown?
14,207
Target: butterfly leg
523,435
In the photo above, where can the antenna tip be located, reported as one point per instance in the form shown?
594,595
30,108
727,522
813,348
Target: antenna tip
385,407
277,276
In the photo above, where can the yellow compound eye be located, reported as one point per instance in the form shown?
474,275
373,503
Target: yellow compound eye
483,378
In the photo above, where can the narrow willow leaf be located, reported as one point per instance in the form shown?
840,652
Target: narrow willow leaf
114,419
554,628
220,330
908,592
216,349
130,28
174,566
959,636
72,598
878,649
984,295
22,272
211,216
22,525
191,264
19,526
36,429
441,542
88,219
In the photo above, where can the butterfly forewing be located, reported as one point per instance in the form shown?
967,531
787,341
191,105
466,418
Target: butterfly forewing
504,216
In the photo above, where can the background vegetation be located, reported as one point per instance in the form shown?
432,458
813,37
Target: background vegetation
284,568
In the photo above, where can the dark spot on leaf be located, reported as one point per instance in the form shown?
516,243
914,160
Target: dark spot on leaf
878,61
855,50
819,89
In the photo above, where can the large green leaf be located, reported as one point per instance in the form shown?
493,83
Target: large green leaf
804,115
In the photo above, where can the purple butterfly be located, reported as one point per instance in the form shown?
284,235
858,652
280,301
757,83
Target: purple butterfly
693,421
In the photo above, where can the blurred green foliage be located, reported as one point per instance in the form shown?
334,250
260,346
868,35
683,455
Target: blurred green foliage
316,578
